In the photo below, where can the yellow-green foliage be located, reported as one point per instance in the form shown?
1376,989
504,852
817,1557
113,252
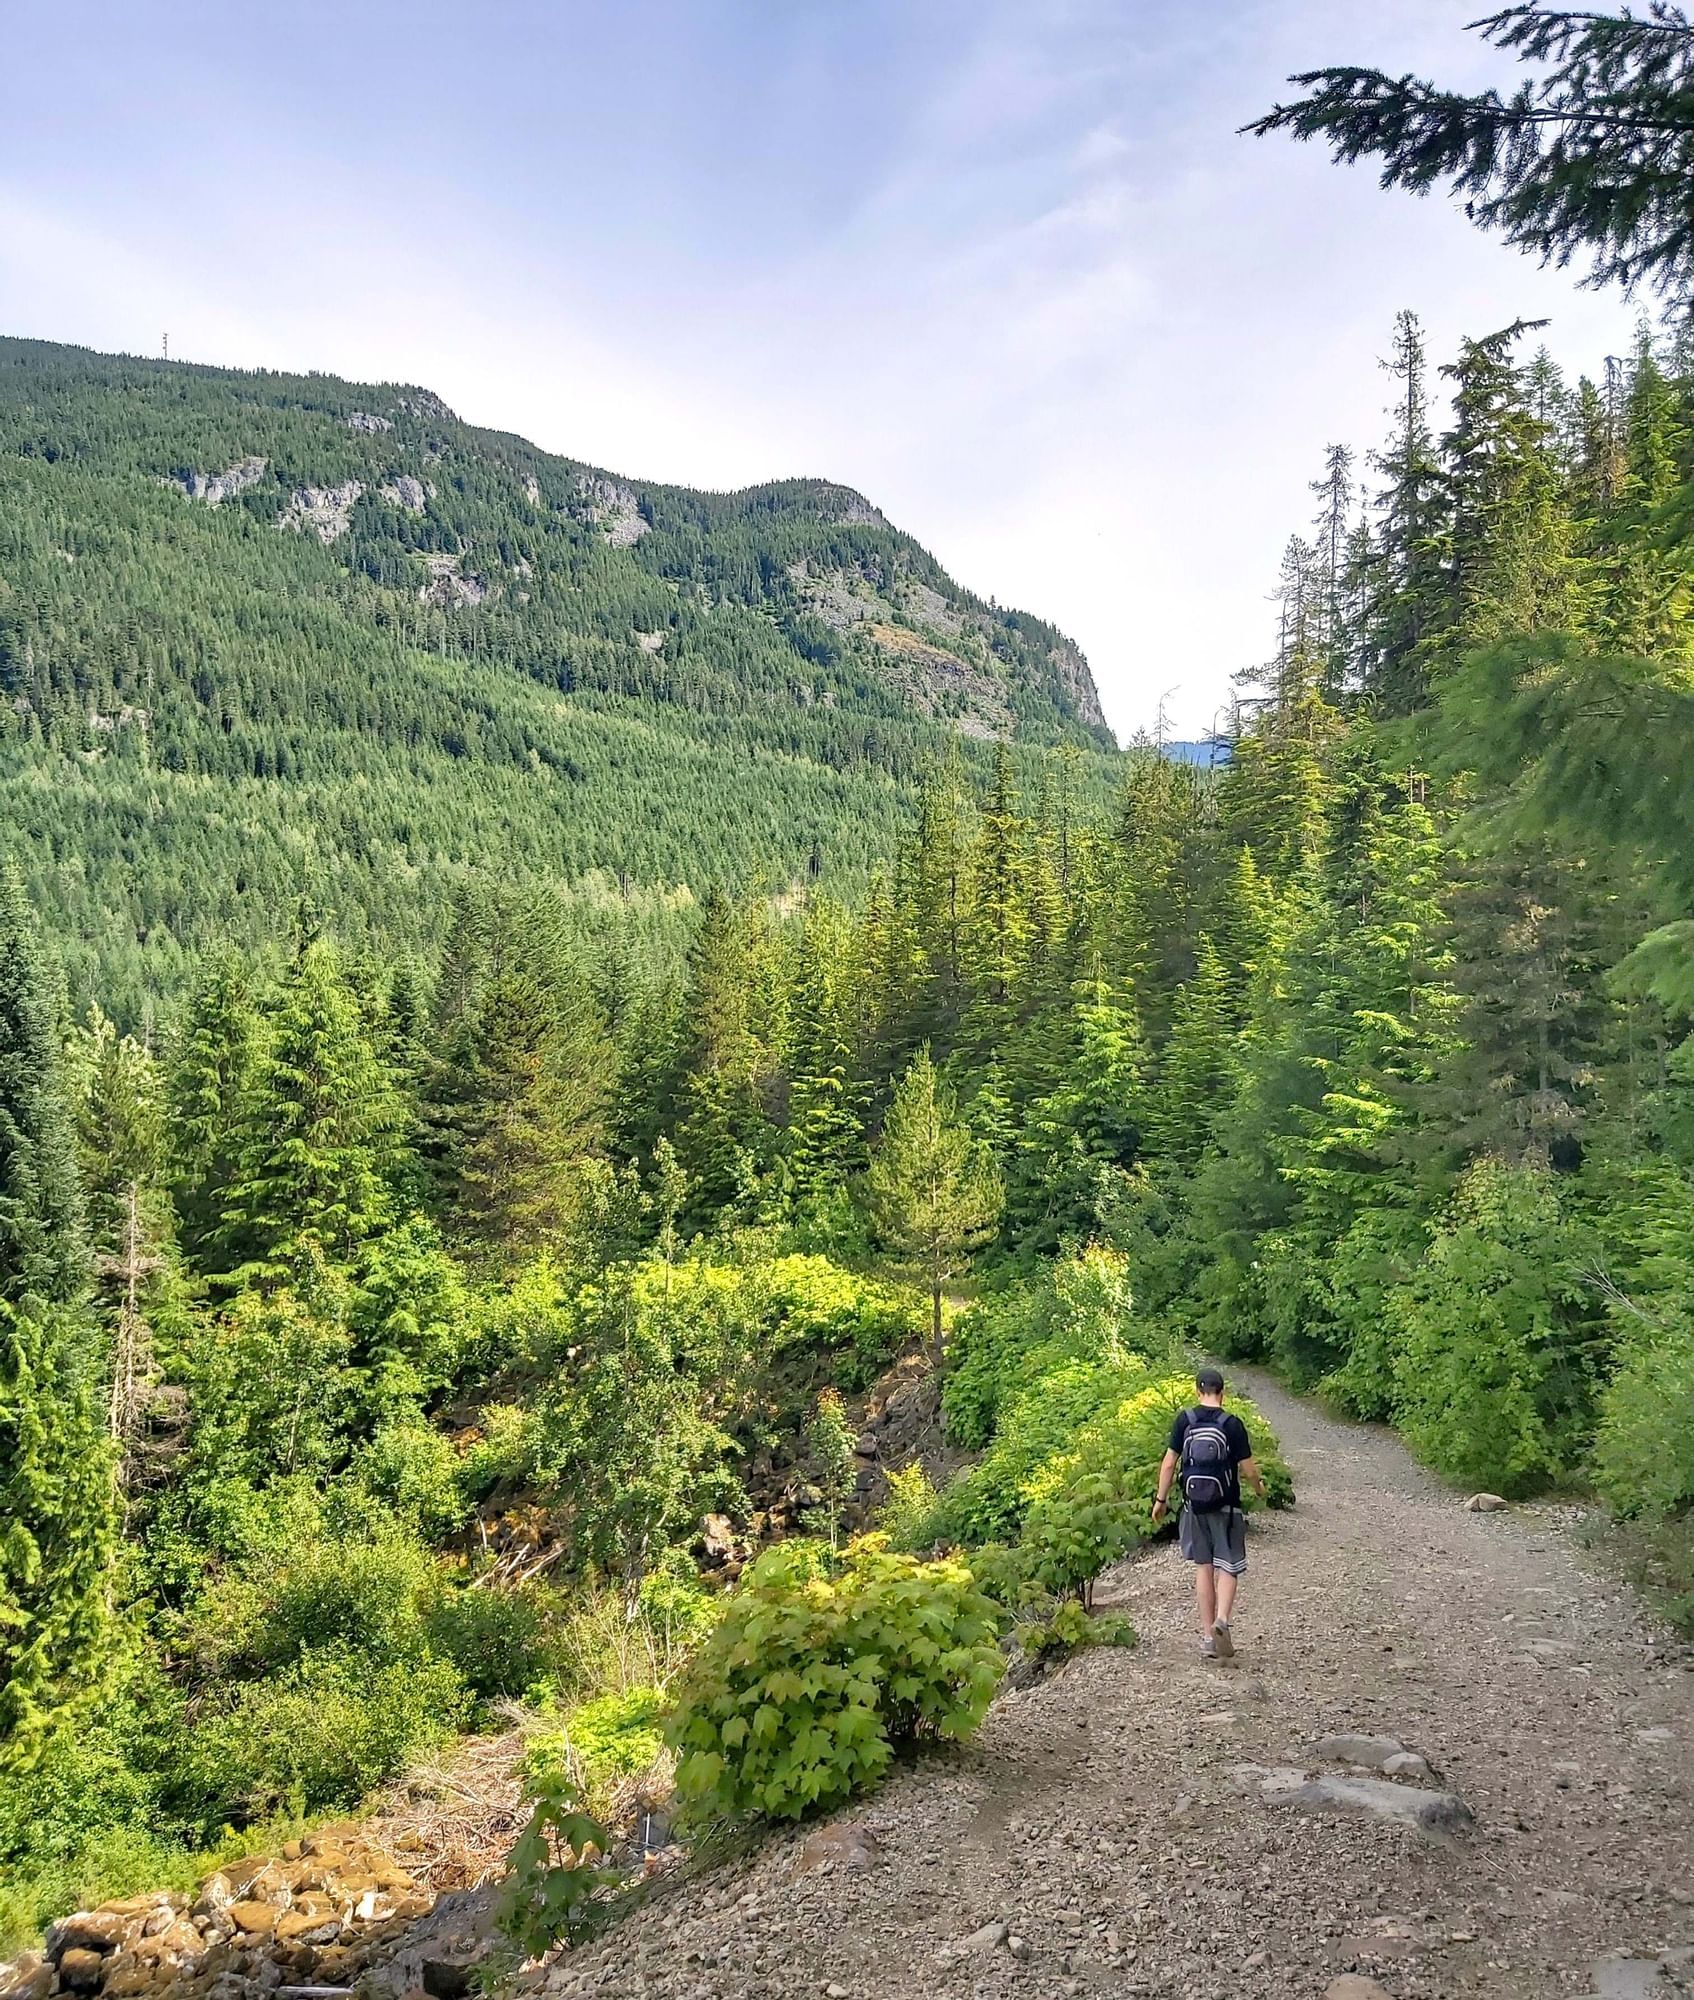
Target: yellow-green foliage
1079,1310
907,1515
1067,1486
809,1686
987,1503
614,1737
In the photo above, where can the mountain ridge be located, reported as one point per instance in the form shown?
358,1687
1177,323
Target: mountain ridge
267,639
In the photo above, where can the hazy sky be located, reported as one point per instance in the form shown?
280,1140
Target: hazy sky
1001,264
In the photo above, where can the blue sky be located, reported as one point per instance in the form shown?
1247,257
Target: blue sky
1004,265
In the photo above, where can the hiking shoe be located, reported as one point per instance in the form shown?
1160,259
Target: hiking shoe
1208,1649
1222,1639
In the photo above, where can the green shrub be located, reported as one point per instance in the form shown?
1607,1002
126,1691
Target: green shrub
808,1687
1494,1369
496,1638
416,1472
556,1886
1084,1486
675,1608
987,1503
365,1596
1361,1285
1125,1442
616,1736
1072,1629
907,1516
317,1736
1078,1309
1644,1451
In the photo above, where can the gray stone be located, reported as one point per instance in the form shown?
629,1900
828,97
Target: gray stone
989,1938
405,491
214,488
1485,1503
1429,1811
324,511
1371,1753
842,1844
1355,1986
1622,1976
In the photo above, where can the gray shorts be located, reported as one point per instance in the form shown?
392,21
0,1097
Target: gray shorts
1218,1538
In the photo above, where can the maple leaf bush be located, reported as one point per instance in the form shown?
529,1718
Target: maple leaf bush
812,1684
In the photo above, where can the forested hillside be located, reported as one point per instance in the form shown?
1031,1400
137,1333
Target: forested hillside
266,638
381,1328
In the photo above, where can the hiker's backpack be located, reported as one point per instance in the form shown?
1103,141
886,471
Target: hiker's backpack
1206,1461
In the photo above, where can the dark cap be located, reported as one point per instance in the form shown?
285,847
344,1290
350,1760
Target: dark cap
1209,1381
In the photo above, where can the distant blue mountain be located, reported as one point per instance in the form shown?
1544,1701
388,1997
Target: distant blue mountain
1208,754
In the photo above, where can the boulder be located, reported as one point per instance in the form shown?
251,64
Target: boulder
1386,1754
217,1892
989,1938
1485,1503
80,1969
253,1919
177,1941
447,1978
1411,1805
30,1977
87,1930
717,1536
127,1975
840,1845
307,1927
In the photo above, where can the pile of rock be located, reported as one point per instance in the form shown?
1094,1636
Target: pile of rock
321,1914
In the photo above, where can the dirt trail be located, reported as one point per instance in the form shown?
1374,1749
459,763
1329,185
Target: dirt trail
1102,1816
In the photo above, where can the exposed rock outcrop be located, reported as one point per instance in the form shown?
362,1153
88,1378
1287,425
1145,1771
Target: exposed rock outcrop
614,509
405,491
216,487
449,588
325,511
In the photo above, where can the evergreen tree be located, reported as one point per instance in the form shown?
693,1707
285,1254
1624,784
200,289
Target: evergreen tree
1589,156
316,1134
210,1072
1510,566
933,1192
1195,1067
120,1107
1406,598
43,1243
56,1503
529,1073
56,1511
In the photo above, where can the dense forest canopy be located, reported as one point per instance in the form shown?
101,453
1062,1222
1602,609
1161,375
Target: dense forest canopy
266,638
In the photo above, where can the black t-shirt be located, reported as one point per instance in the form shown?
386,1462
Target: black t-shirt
1235,1435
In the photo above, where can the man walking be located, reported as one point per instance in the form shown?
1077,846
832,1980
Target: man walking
1211,1450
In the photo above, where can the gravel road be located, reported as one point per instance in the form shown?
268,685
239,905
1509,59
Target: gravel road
1105,1820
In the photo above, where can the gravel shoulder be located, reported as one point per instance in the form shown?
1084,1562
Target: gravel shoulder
1110,1818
